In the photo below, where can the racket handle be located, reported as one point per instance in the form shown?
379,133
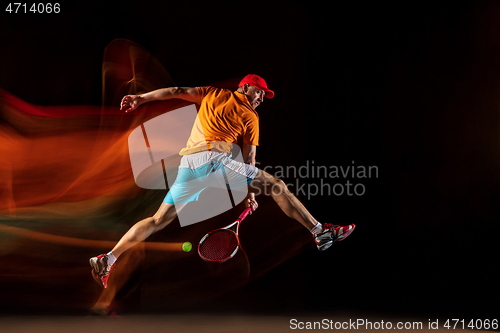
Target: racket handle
245,214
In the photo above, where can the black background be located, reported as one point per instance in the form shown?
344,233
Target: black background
412,88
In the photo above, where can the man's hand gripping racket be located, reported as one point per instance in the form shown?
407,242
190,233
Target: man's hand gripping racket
222,244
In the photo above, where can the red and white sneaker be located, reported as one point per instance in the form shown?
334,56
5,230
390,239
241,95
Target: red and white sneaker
331,234
101,270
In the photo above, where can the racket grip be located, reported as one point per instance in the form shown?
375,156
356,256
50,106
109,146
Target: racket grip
245,214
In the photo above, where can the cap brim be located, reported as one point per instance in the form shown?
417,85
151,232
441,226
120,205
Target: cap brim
269,93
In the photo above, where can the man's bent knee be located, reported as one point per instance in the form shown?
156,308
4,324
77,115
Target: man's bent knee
265,183
165,214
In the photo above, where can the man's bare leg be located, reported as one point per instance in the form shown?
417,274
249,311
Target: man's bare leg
265,183
143,229
134,236
103,264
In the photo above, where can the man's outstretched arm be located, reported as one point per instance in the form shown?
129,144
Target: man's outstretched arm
131,102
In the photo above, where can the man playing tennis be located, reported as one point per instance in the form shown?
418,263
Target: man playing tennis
224,118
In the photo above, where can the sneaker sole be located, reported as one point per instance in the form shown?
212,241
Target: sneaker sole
93,263
97,279
95,266
326,246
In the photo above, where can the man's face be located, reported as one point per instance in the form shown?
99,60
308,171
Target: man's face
255,95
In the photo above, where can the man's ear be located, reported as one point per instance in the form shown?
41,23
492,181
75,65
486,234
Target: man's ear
245,87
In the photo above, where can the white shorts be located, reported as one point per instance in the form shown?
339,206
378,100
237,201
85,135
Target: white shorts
205,169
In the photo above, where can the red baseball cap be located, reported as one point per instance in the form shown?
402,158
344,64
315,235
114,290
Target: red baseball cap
255,80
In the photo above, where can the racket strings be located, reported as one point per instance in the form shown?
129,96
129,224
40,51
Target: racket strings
219,245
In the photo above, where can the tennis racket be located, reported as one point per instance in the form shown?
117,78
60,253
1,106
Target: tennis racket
220,245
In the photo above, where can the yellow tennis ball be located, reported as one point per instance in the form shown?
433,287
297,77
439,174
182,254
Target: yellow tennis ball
187,246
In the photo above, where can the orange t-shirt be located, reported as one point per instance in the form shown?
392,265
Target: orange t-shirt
224,118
